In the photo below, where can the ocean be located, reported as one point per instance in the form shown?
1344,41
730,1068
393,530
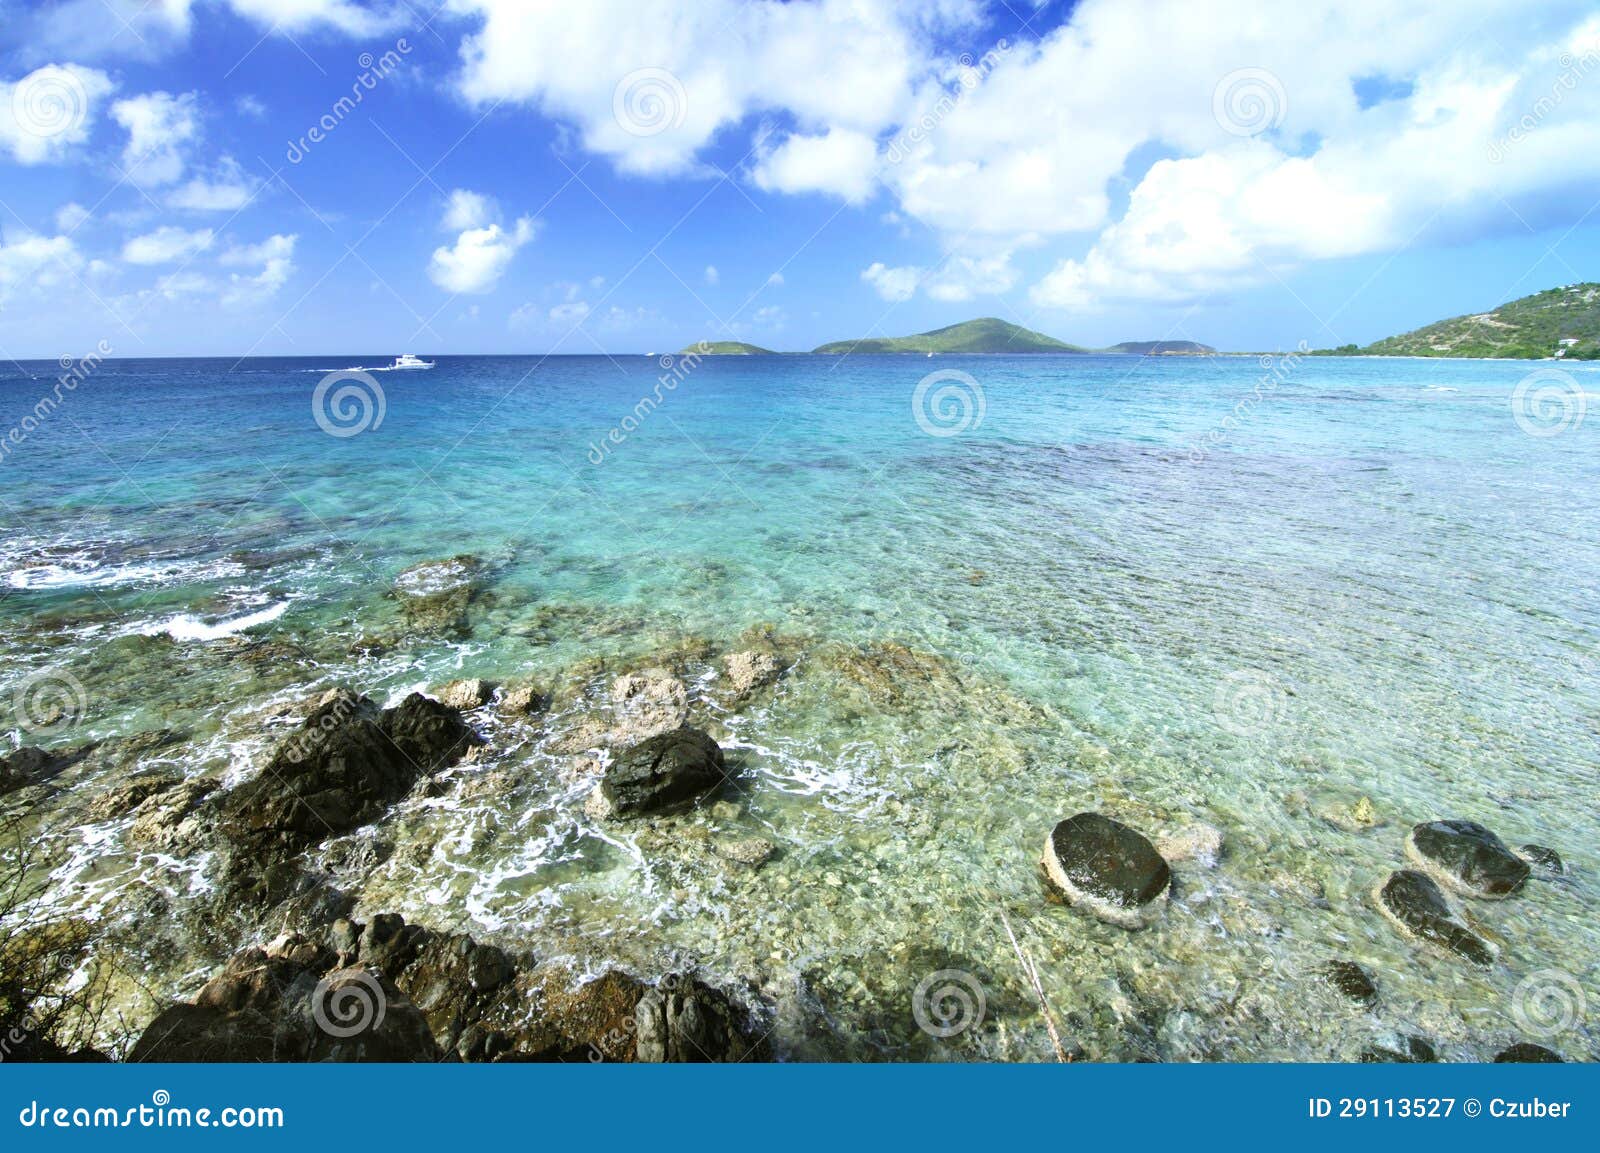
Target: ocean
1297,603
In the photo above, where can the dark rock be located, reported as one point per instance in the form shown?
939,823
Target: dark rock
681,1020
1416,1052
658,773
1467,857
1527,1053
1546,860
1417,906
344,766
132,793
281,1003
1107,868
1352,980
32,766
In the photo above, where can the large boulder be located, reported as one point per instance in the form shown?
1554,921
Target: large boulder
343,767
32,766
1527,1053
656,774
1417,906
1107,868
1466,857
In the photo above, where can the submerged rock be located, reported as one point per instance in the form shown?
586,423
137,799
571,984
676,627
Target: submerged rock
1546,860
1107,868
1418,907
31,766
1467,857
1200,843
1351,980
434,596
1527,1053
751,851
1416,1052
660,772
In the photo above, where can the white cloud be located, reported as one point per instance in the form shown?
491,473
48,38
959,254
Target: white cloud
50,111
479,257
71,216
299,15
31,262
161,129
841,162
275,258
775,280
464,210
650,83
712,276
895,284
227,189
166,245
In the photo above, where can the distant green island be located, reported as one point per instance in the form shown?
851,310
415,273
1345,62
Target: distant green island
726,348
1162,348
987,334
1558,322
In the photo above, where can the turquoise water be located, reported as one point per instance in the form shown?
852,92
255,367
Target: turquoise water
1373,582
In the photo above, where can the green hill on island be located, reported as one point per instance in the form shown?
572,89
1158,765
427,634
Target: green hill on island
985,335
1162,348
1562,322
726,348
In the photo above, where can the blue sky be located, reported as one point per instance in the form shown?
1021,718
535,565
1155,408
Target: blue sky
527,177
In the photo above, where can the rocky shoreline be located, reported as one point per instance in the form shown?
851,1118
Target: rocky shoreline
279,858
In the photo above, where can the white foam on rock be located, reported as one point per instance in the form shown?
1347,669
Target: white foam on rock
188,627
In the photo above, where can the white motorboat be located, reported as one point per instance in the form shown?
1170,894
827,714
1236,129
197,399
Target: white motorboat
409,361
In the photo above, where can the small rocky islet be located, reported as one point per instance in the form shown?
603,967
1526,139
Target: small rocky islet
347,786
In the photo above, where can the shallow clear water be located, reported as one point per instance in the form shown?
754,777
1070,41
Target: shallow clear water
1373,583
